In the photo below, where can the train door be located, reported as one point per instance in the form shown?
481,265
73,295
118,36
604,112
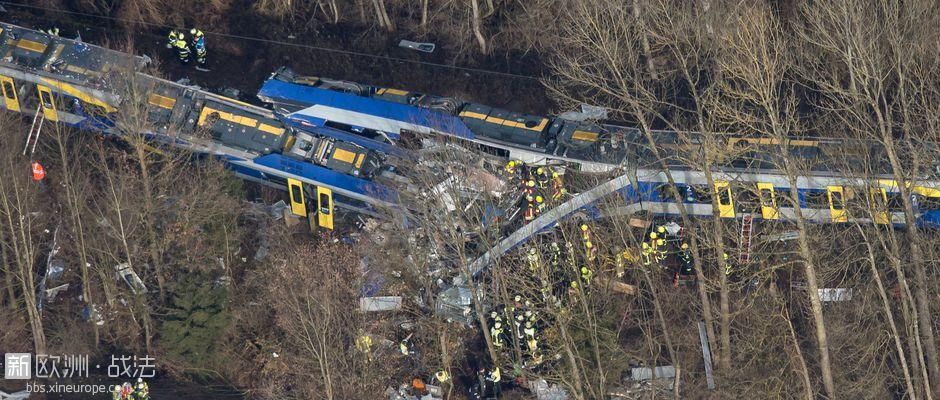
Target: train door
725,199
837,209
47,103
768,200
879,204
9,93
297,205
325,207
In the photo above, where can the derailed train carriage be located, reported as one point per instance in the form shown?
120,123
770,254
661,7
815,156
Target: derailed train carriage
749,184
329,142
74,83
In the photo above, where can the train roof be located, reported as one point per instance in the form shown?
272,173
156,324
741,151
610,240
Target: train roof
73,60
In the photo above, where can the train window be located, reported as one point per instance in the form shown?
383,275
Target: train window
703,194
928,203
816,199
895,203
296,195
666,194
748,199
324,204
878,198
783,199
212,118
724,196
766,197
46,100
8,90
838,202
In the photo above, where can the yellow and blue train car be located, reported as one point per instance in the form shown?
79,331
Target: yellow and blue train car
60,80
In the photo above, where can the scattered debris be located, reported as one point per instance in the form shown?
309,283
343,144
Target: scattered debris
617,286
289,218
380,303
419,46
545,391
453,304
277,209
21,395
52,293
127,274
835,294
588,112
785,236
647,373
673,228
91,313
231,92
639,223
706,355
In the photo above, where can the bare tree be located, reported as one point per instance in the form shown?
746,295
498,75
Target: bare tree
752,63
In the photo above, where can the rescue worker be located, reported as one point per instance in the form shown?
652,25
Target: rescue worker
364,344
625,256
726,262
199,46
661,247
116,392
495,317
647,255
532,345
529,330
519,319
558,188
530,208
39,173
172,38
589,248
511,168
142,390
442,376
182,48
685,257
539,204
556,253
496,334
533,259
530,188
404,346
127,391
495,376
586,275
541,174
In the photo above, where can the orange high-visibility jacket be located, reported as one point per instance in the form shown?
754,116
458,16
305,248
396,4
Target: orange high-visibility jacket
38,171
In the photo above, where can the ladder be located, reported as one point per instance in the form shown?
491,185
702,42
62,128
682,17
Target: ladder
747,229
34,131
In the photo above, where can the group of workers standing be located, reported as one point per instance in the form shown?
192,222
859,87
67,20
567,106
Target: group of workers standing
186,49
139,391
523,326
538,184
